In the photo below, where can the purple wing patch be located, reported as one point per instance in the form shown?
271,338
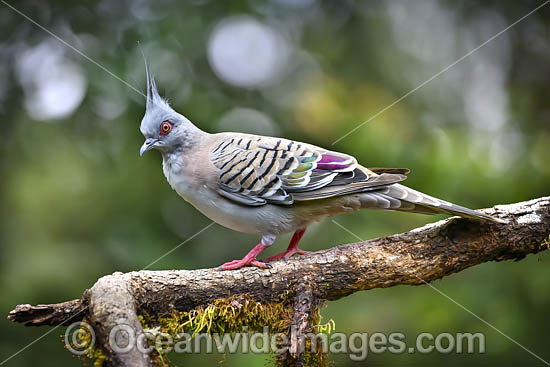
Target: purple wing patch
332,163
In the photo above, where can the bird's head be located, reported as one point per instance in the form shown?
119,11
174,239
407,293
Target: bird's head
163,128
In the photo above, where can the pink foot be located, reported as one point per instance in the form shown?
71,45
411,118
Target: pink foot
237,264
249,259
287,254
292,248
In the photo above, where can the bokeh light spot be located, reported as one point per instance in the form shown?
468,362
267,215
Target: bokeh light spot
247,53
54,86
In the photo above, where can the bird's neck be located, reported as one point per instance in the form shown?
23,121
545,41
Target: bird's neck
188,140
188,137
191,136
177,160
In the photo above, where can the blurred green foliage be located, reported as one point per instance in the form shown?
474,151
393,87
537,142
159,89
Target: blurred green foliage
77,202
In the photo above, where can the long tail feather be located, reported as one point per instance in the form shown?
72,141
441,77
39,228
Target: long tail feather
402,198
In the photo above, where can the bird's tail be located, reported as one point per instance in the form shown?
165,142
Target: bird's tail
402,198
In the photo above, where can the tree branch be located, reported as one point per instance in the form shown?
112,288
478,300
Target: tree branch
421,255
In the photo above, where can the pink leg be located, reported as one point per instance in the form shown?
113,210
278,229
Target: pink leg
249,259
292,247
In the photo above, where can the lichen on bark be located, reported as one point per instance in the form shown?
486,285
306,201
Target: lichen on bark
232,315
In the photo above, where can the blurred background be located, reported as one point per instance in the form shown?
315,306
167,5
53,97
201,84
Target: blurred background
77,202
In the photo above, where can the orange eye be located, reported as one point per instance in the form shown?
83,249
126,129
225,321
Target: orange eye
165,127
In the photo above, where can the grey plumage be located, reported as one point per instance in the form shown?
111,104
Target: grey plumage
256,170
270,186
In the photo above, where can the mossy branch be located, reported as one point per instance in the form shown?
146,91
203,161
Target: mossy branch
291,292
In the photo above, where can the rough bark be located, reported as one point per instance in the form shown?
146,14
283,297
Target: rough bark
111,303
421,255
305,307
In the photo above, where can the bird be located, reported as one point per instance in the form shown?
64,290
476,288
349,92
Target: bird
271,186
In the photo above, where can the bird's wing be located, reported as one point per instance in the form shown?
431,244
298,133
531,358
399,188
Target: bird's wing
255,170
380,170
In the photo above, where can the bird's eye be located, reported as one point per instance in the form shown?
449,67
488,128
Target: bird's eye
165,127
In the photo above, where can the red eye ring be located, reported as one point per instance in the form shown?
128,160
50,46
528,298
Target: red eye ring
165,127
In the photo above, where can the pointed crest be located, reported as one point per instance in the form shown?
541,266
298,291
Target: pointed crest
152,93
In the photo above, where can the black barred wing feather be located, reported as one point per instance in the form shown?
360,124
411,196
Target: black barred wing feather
256,170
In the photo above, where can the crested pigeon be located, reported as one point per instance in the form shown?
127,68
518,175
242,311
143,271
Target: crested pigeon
271,186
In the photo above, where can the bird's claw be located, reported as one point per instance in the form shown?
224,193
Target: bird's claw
287,255
237,264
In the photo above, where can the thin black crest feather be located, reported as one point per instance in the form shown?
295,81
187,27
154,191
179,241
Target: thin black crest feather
152,92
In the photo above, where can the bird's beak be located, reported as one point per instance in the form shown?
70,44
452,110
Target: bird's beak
148,145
